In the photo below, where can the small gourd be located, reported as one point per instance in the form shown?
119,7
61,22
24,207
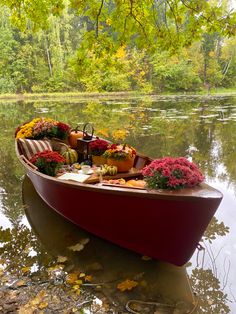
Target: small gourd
112,170
70,156
74,135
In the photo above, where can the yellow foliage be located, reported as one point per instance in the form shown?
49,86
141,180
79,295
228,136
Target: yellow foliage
212,54
103,132
108,22
127,285
142,73
120,53
119,135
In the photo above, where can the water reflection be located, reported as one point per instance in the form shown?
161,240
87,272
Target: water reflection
156,127
109,264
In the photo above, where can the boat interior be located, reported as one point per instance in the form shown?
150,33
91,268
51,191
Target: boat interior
72,172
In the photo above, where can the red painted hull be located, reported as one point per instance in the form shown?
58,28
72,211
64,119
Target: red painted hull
165,225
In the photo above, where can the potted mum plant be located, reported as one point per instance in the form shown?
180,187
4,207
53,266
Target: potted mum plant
120,155
172,173
48,162
97,149
39,128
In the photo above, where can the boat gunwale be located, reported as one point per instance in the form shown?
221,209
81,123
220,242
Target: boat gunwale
176,195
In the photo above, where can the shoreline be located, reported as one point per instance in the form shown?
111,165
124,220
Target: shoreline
111,95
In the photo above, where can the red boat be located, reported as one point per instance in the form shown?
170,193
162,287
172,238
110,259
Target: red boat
165,225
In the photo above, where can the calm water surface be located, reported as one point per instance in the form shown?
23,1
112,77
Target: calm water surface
203,129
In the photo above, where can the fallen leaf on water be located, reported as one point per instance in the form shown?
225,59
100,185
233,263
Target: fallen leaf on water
80,245
88,278
32,305
57,267
77,247
81,275
71,278
25,270
43,305
84,241
77,289
20,283
127,285
61,259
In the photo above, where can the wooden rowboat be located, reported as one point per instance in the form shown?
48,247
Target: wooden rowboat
165,225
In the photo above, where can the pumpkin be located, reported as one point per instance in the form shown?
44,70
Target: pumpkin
74,135
122,165
70,156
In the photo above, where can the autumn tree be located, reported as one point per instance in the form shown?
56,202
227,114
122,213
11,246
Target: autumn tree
168,24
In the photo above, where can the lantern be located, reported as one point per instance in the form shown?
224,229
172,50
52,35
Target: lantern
83,144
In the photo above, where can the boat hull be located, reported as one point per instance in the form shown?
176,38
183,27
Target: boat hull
163,225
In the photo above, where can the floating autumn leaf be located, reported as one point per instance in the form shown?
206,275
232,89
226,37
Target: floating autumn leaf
43,305
81,275
62,259
88,278
79,246
25,270
84,241
20,283
77,289
127,285
55,268
71,278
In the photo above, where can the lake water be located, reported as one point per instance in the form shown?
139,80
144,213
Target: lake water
201,128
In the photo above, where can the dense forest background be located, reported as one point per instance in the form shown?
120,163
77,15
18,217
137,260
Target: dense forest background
51,60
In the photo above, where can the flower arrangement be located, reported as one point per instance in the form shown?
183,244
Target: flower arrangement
43,127
48,162
120,152
172,173
98,147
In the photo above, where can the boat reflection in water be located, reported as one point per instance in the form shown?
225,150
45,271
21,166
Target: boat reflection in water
164,287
